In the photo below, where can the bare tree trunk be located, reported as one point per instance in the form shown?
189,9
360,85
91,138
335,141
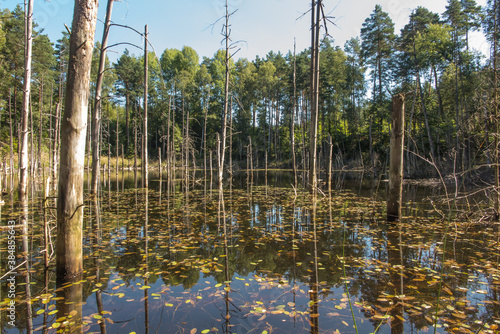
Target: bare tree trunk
40,103
145,129
315,21
23,150
496,131
226,102
330,144
394,196
231,145
159,162
56,146
251,158
127,112
96,120
211,174
57,133
292,115
117,147
169,151
205,141
69,259
11,140
51,134
32,144
186,152
135,144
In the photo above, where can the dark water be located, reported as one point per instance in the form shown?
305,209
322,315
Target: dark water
267,259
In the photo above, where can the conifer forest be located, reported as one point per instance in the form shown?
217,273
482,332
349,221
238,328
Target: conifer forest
334,189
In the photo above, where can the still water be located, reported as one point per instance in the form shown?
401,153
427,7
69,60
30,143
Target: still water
265,259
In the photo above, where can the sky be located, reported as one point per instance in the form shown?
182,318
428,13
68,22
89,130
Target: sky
257,26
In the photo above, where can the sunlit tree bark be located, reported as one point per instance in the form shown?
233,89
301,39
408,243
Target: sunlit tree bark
96,120
23,151
73,132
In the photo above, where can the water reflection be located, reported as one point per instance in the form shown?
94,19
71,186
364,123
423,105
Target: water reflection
266,258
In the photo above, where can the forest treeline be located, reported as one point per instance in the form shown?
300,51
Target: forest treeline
450,106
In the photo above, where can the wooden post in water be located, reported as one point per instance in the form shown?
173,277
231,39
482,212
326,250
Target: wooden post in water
394,196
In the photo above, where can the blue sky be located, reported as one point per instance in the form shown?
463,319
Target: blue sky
261,25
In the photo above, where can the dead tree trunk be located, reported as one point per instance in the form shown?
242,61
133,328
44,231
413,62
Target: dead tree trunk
292,116
96,120
11,141
40,124
57,133
231,145
394,196
23,150
69,259
496,155
117,146
145,129
51,134
226,102
330,161
315,28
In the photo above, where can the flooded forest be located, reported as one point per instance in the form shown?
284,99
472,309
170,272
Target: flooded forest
335,189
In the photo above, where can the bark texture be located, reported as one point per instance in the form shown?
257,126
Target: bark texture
395,193
73,134
23,151
96,120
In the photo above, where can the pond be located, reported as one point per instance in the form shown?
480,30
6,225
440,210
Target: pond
268,258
